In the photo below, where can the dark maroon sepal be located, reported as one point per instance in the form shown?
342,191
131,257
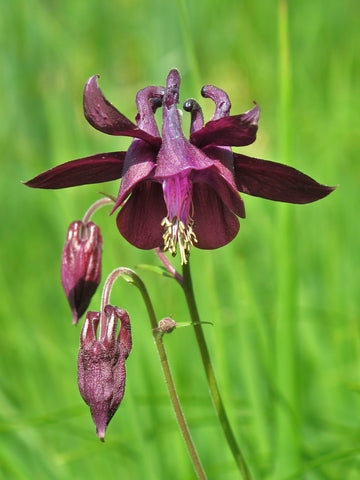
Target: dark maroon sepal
98,168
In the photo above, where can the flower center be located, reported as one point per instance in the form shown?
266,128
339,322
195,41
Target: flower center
178,224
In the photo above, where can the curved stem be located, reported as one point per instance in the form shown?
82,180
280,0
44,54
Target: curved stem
210,375
105,296
95,206
136,280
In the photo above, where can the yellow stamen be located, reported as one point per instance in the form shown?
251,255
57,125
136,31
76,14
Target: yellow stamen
176,233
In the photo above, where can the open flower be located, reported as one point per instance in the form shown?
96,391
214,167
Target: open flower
176,192
101,364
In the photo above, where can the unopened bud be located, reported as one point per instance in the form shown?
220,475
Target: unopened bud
81,266
101,364
166,325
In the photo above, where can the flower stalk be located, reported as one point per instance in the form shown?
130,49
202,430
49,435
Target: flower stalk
169,267
133,278
210,375
102,202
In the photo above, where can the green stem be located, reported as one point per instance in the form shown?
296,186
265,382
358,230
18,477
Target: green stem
210,375
201,475
287,458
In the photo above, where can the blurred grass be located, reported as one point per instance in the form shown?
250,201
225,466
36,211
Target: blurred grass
48,49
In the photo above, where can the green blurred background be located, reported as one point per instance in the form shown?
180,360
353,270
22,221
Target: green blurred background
283,296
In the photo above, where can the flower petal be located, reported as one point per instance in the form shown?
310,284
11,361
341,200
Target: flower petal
176,154
214,224
88,332
221,99
140,160
235,130
221,178
98,168
139,220
275,181
148,100
197,117
103,116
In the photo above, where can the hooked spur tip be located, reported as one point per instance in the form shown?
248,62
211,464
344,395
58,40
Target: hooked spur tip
191,105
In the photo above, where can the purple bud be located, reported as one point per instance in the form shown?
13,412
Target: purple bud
81,266
101,364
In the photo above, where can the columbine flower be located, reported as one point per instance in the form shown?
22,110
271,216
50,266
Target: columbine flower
180,192
101,364
81,265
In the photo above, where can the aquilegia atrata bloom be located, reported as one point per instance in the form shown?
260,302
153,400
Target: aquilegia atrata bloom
176,192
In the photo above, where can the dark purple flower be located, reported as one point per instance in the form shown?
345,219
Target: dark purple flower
180,192
81,265
101,364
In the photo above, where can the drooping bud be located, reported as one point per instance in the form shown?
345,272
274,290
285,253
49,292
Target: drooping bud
101,364
81,266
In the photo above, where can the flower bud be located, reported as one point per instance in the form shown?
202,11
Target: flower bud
101,364
166,325
81,266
